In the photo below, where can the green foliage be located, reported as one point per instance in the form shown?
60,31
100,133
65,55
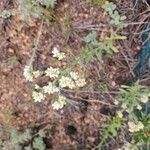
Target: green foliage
12,60
39,144
116,19
131,100
28,9
140,140
131,96
91,37
97,49
16,139
24,140
86,56
142,137
103,87
32,8
47,3
110,131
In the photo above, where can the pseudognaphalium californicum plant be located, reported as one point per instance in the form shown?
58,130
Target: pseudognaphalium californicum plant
57,81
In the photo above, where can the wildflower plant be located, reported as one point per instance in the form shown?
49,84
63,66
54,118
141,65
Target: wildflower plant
31,8
135,121
97,49
57,81
133,97
116,19
110,130
47,3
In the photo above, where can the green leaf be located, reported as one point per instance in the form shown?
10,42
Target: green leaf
38,143
41,133
91,37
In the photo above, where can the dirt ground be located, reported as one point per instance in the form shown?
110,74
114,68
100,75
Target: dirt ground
77,125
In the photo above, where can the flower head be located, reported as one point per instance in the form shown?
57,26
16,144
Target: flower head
127,146
135,127
57,54
59,103
80,82
66,82
50,88
74,75
119,113
116,102
139,107
36,74
28,73
52,72
124,106
38,96
144,98
37,87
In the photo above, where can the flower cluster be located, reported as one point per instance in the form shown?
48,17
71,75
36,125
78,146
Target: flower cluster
38,96
59,103
50,88
57,54
57,82
119,113
66,82
73,81
134,127
52,72
30,74
145,97
127,146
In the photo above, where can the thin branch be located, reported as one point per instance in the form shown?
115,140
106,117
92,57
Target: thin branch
36,45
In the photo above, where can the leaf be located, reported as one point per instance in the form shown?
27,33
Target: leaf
114,49
39,144
91,37
41,133
47,3
13,60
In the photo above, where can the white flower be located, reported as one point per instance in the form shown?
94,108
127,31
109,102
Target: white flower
59,103
116,102
124,106
135,127
61,56
74,75
139,107
38,96
58,54
55,52
50,88
127,146
66,82
80,82
36,74
52,72
119,113
28,73
37,87
144,98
